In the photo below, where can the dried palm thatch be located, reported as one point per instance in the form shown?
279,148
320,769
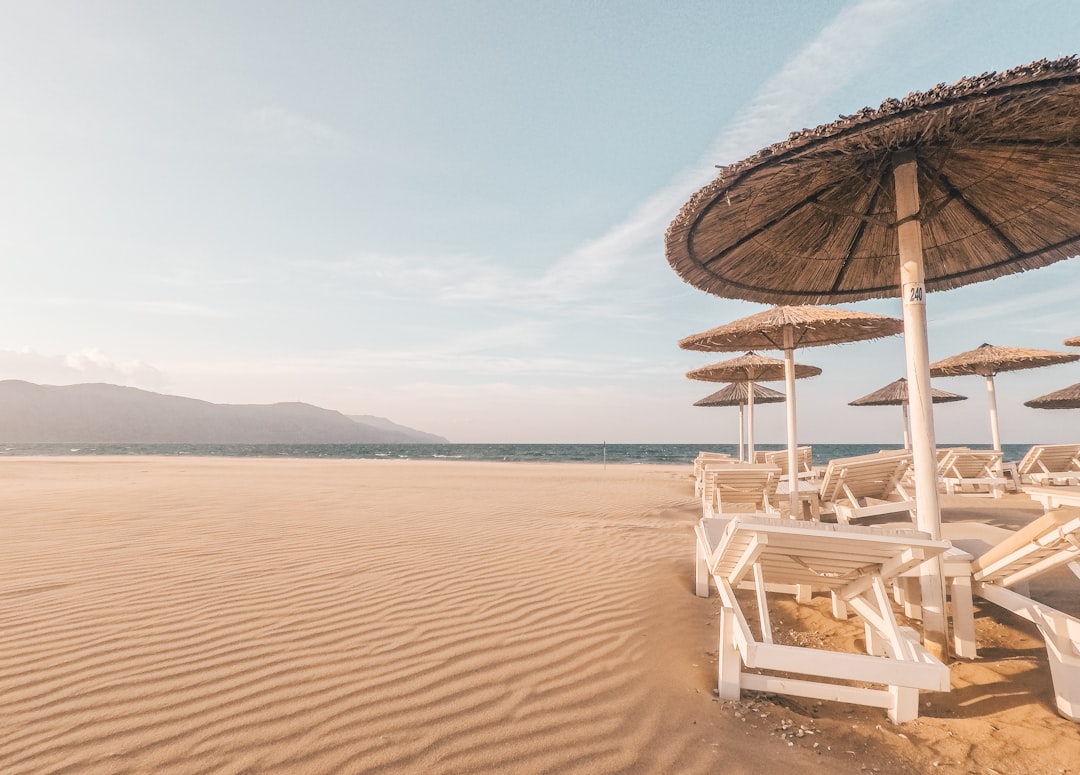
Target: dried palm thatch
896,394
809,326
737,393
1072,341
813,219
750,367
988,360
1066,398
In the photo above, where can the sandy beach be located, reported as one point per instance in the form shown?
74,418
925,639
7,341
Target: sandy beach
196,615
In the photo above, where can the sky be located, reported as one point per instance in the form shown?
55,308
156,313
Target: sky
451,214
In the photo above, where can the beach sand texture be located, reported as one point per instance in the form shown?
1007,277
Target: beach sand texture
174,615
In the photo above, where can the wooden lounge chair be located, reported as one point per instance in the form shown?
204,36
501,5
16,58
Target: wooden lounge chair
971,470
739,488
854,564
1051,464
779,458
867,486
1000,575
706,458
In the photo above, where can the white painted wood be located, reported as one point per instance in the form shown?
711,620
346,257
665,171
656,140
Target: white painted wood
991,395
916,347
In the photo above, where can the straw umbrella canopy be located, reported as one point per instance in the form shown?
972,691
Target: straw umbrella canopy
896,394
1066,398
987,360
738,394
786,328
1072,341
943,188
751,368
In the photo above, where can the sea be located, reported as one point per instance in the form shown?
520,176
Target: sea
615,454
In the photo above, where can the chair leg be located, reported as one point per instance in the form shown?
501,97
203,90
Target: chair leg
963,617
701,572
905,704
728,658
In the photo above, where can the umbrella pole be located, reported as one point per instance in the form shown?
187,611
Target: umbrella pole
741,425
907,427
913,296
792,449
991,394
750,421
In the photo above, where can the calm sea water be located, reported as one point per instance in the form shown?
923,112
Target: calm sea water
550,453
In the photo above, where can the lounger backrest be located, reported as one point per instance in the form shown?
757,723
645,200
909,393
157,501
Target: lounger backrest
1050,458
970,463
1051,540
779,458
742,485
865,476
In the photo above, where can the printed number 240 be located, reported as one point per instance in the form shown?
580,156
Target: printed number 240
916,293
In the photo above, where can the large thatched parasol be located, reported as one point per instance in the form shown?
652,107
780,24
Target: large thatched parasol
738,394
896,394
1072,341
786,328
751,368
987,360
1066,398
956,185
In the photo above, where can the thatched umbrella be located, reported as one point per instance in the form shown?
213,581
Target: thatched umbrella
896,394
751,368
956,185
738,394
785,328
987,360
1072,341
1066,398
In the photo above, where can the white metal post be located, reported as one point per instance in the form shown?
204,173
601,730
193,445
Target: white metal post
907,428
991,394
750,421
741,426
792,448
923,443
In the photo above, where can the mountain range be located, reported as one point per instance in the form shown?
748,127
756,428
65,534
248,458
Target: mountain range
102,413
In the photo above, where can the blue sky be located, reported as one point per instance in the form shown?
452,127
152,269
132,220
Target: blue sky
451,214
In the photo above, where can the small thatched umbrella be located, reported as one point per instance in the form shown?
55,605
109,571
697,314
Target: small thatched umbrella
1073,341
952,186
786,328
738,394
751,368
896,394
1066,398
987,360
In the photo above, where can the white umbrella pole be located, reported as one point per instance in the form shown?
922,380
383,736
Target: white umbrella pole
991,394
907,428
750,421
792,448
913,295
741,425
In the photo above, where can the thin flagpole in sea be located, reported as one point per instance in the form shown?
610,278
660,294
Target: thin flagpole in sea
618,454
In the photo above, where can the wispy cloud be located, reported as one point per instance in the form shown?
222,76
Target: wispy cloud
89,364
291,129
823,67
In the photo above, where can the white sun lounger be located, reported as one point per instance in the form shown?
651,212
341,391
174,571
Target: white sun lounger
739,488
1051,464
704,459
971,470
867,486
854,564
1000,576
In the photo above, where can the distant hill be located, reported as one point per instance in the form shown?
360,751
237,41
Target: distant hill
110,413
414,436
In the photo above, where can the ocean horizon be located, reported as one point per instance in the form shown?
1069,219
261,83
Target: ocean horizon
617,454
